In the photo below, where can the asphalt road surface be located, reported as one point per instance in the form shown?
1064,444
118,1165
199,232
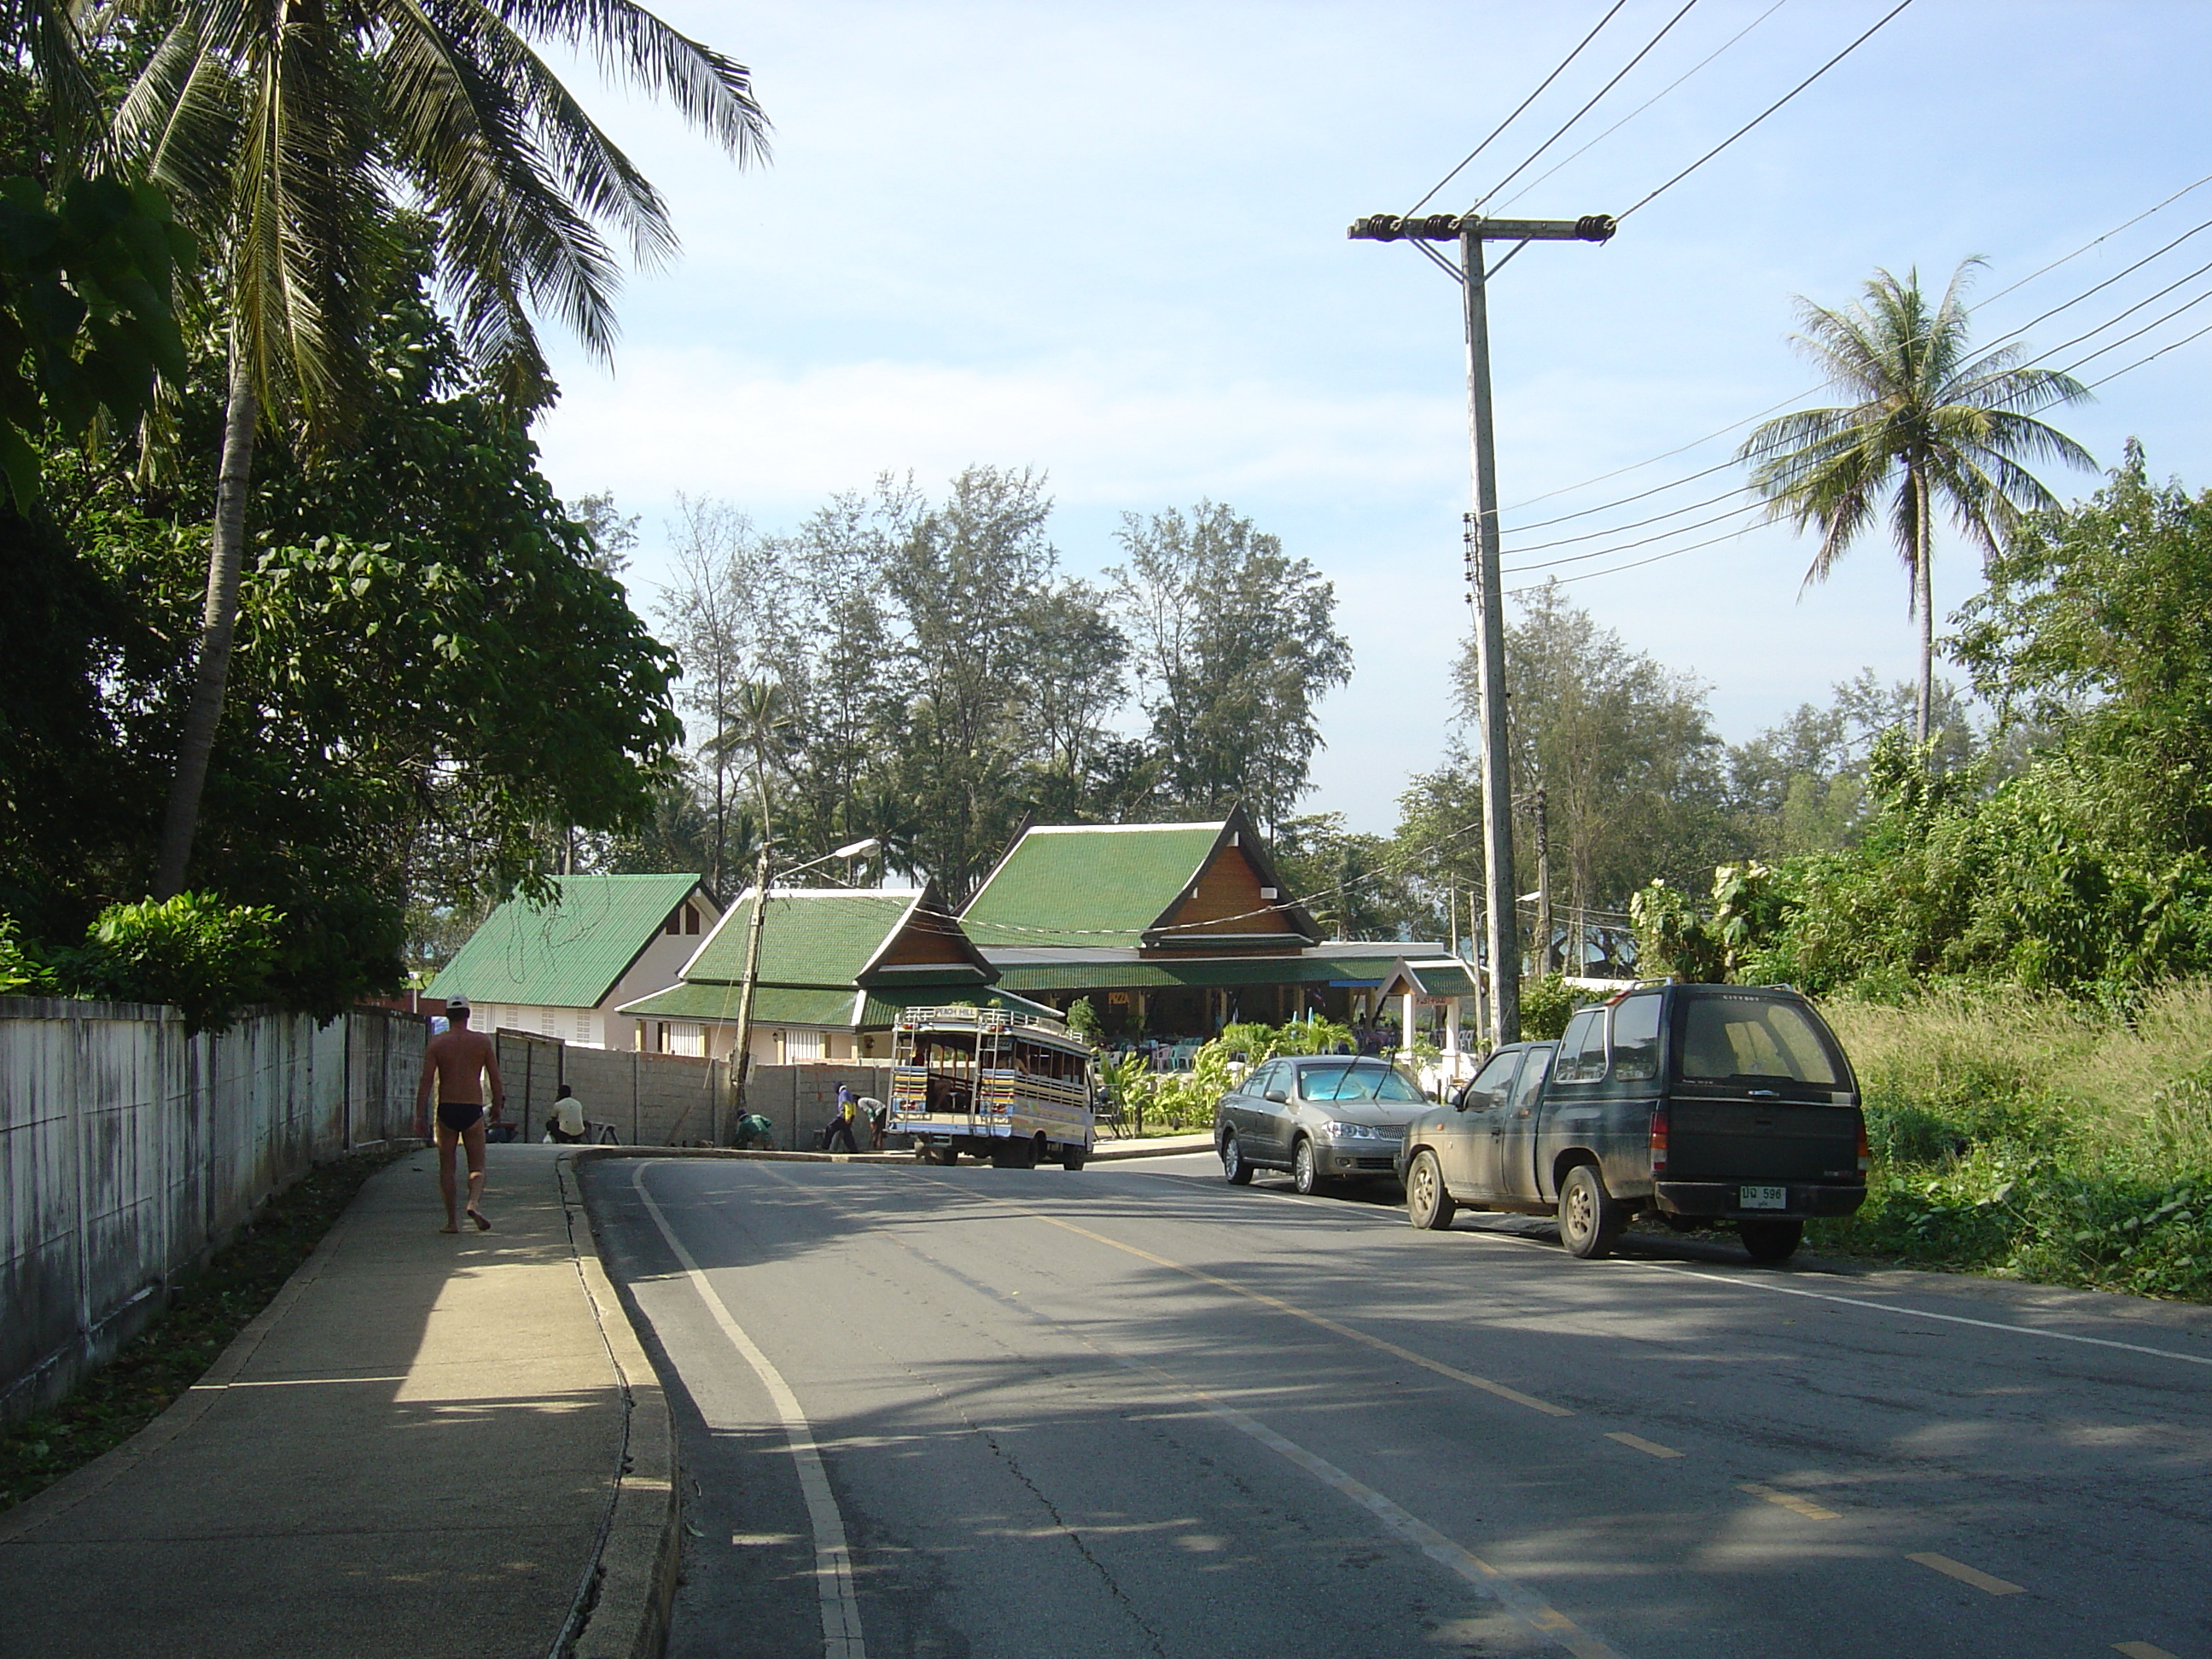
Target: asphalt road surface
1036,1415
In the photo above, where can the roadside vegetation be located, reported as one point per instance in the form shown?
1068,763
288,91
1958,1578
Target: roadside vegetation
204,1314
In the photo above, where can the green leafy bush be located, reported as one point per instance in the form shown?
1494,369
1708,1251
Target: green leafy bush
193,952
1547,1006
21,973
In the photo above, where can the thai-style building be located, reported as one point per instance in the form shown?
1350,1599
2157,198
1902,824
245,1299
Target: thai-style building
564,970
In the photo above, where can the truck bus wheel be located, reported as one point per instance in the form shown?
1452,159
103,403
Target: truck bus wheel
1234,1170
1427,1203
1772,1240
1590,1220
1072,1156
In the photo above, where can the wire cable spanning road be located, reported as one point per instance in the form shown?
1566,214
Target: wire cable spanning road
985,1413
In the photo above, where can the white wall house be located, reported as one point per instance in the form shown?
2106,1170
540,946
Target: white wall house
565,969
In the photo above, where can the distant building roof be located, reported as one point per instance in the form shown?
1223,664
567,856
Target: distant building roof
570,953
1431,977
1159,886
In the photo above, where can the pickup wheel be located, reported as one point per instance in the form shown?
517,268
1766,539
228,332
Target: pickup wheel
1305,1168
1234,1170
1428,1204
1589,1219
1772,1240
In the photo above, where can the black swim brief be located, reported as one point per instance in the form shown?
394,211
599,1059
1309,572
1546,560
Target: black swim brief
457,1115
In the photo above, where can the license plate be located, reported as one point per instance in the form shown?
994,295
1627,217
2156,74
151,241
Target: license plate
1762,1198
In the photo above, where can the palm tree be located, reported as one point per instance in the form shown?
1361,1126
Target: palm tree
1945,429
290,133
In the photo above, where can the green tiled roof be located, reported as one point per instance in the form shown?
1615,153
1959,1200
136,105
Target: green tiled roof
1087,884
567,954
1436,979
803,1004
807,938
773,1005
1307,968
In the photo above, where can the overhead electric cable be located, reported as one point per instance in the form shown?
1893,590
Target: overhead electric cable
2147,298
1664,29
2190,305
1655,490
1623,547
2107,283
1635,564
1517,108
1522,193
2154,357
1763,114
1636,524
2045,271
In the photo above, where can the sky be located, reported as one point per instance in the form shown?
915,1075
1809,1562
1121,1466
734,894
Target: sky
1108,242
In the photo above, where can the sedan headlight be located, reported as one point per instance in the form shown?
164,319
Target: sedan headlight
1359,1131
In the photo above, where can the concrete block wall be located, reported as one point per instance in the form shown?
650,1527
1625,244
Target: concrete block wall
653,1100
799,1099
128,1150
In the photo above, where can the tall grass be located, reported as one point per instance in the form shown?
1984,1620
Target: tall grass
2035,1137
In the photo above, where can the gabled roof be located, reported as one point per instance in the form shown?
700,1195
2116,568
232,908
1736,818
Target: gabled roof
569,954
1431,977
1109,885
842,938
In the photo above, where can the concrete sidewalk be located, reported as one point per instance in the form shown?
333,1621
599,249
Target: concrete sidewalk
418,1449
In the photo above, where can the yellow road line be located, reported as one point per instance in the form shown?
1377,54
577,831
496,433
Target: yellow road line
1966,1575
1789,1500
1643,1445
2141,1651
1330,1325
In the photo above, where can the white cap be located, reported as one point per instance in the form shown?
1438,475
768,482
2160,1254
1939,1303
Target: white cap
455,1004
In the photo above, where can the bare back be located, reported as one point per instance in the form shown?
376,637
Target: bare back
459,1059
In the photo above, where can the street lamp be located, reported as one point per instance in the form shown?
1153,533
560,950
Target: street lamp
743,1059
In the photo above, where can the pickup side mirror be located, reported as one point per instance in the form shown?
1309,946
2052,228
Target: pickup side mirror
1280,1096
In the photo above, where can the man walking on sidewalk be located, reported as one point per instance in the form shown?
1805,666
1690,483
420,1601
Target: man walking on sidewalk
457,1062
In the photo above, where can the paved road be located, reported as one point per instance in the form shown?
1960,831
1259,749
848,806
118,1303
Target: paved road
989,1413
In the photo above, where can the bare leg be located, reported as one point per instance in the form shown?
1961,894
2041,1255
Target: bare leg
473,1138
446,1142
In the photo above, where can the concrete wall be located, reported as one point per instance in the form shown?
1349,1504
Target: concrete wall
128,1150
799,1099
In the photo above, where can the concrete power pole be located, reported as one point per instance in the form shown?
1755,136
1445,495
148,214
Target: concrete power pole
1471,231
1543,885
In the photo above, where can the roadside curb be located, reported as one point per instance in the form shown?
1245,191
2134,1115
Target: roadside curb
1104,1152
622,1605
1107,1152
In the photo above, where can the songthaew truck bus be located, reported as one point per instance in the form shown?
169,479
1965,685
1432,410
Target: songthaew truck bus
1018,1089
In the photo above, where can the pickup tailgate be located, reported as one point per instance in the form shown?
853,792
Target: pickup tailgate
1760,1140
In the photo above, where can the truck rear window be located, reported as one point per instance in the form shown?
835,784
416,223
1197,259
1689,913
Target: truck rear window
1725,1038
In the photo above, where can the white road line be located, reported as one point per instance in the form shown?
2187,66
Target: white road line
1817,1296
833,1561
1523,1603
1920,1313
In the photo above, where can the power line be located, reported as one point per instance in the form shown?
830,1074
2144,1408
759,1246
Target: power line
1664,29
2045,271
1517,108
1655,490
1637,524
2128,271
1763,114
2190,305
1623,547
1636,564
1693,69
2154,357
2146,300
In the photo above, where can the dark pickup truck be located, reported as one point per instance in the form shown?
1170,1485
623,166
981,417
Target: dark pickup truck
1700,1103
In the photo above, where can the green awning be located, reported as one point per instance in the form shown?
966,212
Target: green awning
715,1003
1305,969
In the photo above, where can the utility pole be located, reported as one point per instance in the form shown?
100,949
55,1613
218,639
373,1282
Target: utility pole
1471,231
1543,885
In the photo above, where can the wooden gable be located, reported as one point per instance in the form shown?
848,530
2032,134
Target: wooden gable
1234,903
928,941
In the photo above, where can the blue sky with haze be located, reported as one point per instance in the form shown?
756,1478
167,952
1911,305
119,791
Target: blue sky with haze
1108,242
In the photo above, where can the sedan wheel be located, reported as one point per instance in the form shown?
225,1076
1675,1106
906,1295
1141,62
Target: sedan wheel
1305,1169
1427,1202
1234,1170
1590,1220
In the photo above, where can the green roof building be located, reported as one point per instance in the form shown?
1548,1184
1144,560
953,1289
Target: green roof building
563,969
837,966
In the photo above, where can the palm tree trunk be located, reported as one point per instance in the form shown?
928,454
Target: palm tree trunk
1924,597
218,623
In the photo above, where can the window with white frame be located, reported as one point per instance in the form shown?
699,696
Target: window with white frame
802,1045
